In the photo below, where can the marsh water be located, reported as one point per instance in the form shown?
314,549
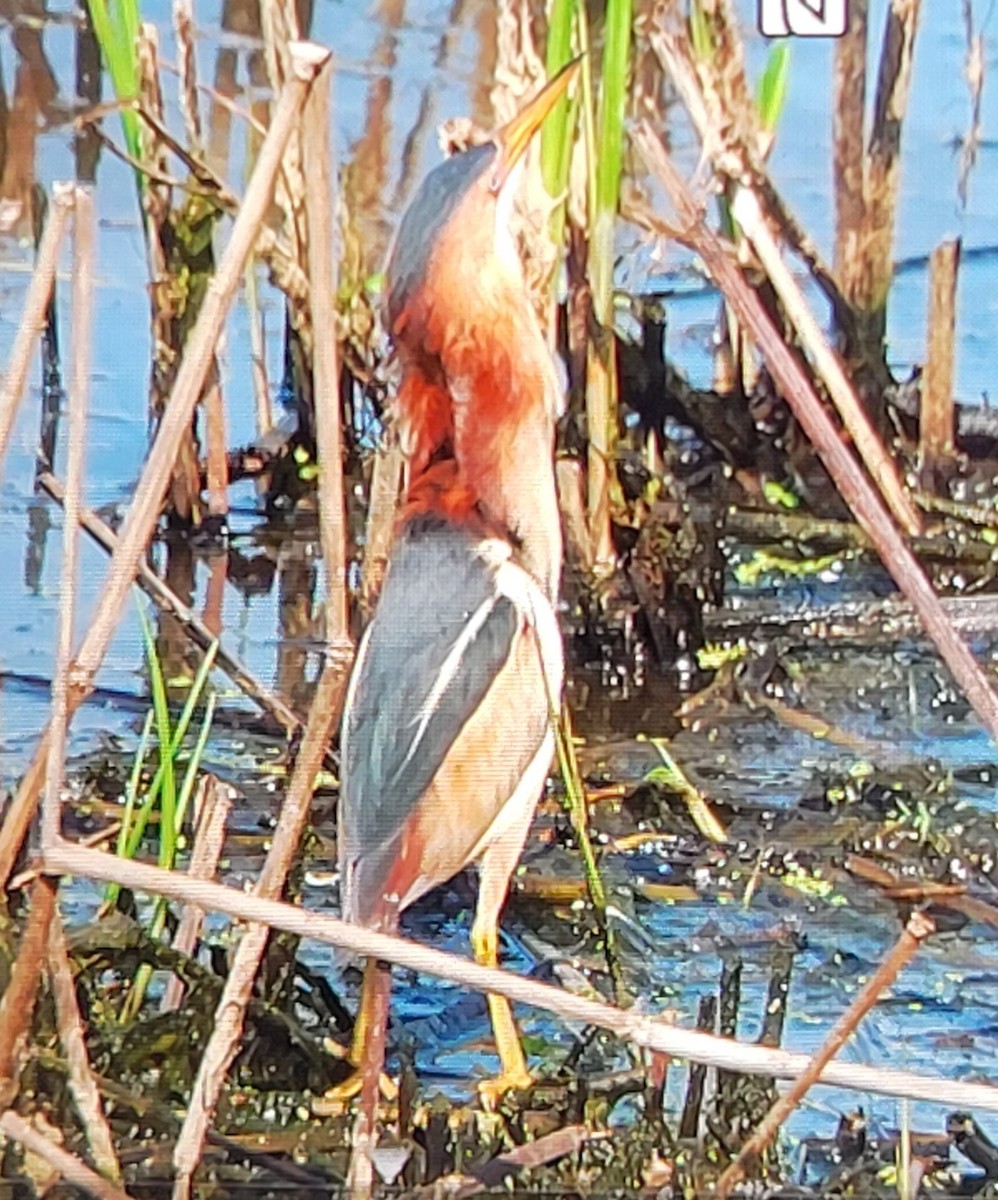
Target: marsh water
402,67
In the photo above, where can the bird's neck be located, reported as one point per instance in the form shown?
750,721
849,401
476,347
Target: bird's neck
480,387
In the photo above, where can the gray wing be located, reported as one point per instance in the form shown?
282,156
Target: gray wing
439,636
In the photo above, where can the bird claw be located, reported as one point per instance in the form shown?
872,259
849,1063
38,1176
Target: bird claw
491,1091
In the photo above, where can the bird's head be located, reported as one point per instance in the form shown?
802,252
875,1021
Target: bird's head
463,207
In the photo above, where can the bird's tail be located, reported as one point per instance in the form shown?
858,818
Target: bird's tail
368,1054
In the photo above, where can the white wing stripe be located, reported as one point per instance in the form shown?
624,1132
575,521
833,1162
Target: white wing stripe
446,675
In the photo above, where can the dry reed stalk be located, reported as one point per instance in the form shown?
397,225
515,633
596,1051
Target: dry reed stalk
919,927
849,154
82,1082
876,244
35,306
79,404
975,68
386,483
183,25
572,503
212,803
17,1005
167,600
216,459
185,486
144,511
641,1029
747,212
320,204
280,29
231,1011
68,1165
936,419
262,406
849,478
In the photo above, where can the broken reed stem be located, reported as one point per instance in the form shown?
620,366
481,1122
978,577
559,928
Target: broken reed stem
35,305
167,600
936,424
68,1165
747,212
919,927
230,1013
643,1030
144,511
79,404
82,1082
212,806
17,1005
849,154
849,478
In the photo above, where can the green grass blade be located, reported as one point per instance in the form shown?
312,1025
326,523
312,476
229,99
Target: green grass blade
164,733
116,26
113,890
701,37
771,94
186,715
556,139
194,766
610,141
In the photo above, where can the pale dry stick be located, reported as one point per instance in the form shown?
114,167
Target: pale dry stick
216,802
82,1083
850,479
649,1032
320,204
386,483
230,1014
919,927
936,421
144,512
17,1005
35,305
68,1165
747,212
79,404
165,598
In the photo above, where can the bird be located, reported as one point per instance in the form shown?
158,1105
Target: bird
447,734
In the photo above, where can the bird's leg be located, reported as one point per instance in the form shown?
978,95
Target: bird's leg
496,867
377,976
368,1054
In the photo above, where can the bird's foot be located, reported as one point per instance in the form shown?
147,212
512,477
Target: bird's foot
491,1091
336,1099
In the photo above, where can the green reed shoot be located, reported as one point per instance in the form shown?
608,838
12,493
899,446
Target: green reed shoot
557,134
608,164
116,27
167,789
771,93
578,811
163,793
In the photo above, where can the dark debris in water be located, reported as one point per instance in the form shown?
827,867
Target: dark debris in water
903,835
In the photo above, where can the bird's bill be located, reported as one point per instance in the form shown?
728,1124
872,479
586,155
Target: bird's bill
514,138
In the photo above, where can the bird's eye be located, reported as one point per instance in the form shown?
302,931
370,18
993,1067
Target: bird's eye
495,183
